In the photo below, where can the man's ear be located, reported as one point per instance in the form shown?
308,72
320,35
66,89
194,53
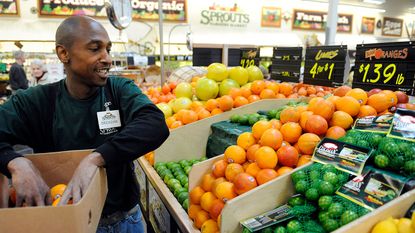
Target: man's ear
62,53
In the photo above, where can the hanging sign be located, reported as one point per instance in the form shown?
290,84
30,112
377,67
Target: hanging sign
392,27
389,66
249,57
286,64
9,7
317,20
173,10
324,65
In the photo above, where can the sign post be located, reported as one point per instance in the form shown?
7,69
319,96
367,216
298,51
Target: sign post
286,64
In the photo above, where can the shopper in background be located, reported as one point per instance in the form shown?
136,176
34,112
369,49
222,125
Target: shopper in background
17,75
73,114
40,73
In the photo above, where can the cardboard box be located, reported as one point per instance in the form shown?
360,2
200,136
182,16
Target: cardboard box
83,217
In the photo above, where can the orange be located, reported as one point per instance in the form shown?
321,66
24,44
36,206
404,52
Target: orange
316,124
272,138
304,159
379,101
207,181
211,104
333,99
150,157
322,107
283,170
235,92
210,226
170,120
225,191
232,170
57,191
216,208
296,146
245,140
287,156
244,182
257,86
225,103
335,132
245,165
206,200
216,183
289,114
286,89
195,195
302,108
349,105
341,119
240,101
253,98
302,91
259,128
196,105
311,90
201,217
246,92
176,124
266,157
291,132
193,209
304,118
366,110
391,96
216,111
273,86
276,124
267,94
359,94
265,175
280,96
250,152
307,142
179,114
252,169
189,116
203,113
235,154
219,167
341,91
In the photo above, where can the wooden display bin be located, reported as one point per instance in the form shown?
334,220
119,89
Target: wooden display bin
82,217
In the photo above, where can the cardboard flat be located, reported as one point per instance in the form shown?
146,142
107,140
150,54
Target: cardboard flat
83,217
4,191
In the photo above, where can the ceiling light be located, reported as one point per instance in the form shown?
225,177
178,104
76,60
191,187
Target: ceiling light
377,2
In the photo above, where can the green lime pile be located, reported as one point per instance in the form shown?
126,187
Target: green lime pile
363,139
175,176
275,113
397,155
247,119
293,226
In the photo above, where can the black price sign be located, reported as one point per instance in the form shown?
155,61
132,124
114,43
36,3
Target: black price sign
286,64
386,66
249,57
324,65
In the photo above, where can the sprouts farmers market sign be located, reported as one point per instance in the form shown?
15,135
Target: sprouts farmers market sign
174,10
219,15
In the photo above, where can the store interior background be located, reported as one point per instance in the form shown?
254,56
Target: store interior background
37,33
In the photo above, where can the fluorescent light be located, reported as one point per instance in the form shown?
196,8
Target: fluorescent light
377,2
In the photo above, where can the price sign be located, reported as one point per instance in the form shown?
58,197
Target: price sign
249,57
325,65
286,64
386,66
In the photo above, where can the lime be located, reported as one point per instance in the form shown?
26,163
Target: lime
263,118
312,194
314,175
298,175
184,180
280,229
296,201
252,119
187,169
178,191
363,143
203,158
272,113
410,153
175,186
194,161
267,230
294,226
243,120
381,161
167,177
329,168
185,204
324,202
409,166
181,176
186,186
330,225
301,186
343,178
391,149
183,196
184,163
171,182
323,216
331,177
335,210
316,184
170,165
348,216
397,162
353,133
158,164
347,139
326,188
161,168
235,118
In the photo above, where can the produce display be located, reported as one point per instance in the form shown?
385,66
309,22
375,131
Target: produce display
394,225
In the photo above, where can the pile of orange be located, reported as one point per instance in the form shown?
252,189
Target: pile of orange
163,94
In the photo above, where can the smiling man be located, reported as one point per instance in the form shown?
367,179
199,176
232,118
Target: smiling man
86,110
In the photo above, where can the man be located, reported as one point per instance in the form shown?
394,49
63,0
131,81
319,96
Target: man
17,75
88,109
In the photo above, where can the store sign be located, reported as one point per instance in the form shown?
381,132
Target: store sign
286,64
368,25
249,57
392,27
317,20
388,66
9,7
324,65
173,10
228,16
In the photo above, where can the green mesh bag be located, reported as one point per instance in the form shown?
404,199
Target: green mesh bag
396,155
363,138
299,226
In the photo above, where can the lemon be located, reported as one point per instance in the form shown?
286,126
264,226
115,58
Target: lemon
413,220
405,226
385,226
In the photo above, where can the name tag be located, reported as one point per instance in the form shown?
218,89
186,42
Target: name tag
109,119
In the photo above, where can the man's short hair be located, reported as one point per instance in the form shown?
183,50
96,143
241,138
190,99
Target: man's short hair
18,54
68,29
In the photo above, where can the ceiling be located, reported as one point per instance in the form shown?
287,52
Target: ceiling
404,6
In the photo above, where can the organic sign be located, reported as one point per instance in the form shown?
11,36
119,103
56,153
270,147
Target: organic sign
229,15
385,65
173,10
324,65
317,20
9,7
368,25
249,57
392,27
286,64
271,17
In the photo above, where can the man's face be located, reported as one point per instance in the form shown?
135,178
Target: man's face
89,60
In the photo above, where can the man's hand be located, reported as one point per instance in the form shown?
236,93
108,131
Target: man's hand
81,178
30,187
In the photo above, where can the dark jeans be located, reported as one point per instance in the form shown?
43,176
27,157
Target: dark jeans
131,224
